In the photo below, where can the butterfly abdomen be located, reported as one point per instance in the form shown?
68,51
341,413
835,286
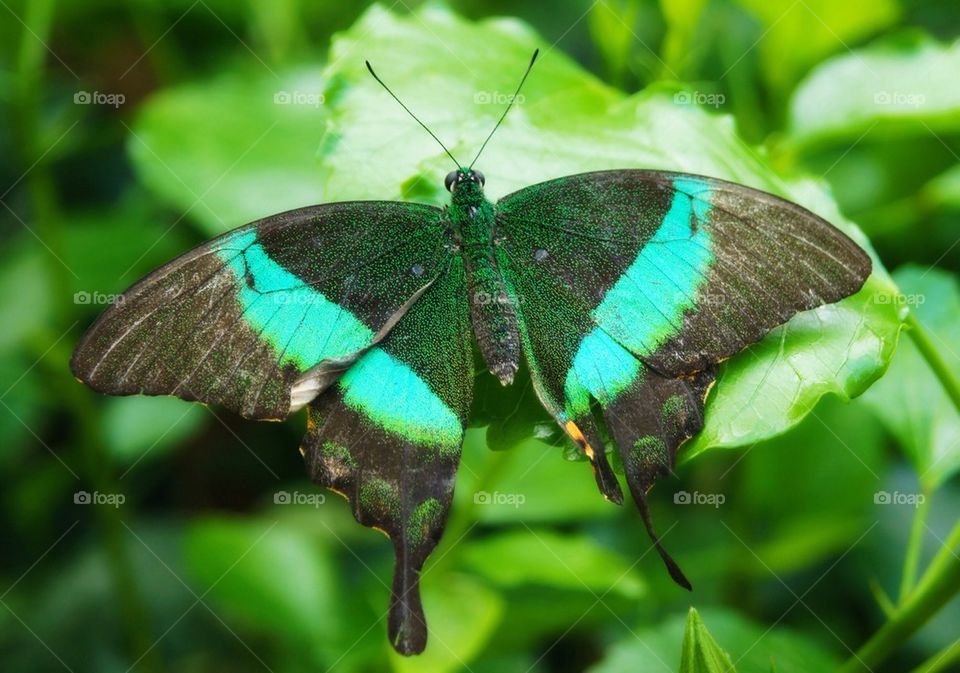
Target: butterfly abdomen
492,308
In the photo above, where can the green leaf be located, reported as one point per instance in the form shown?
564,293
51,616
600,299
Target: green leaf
138,427
268,576
775,383
701,653
236,148
458,100
910,400
613,26
682,18
542,557
27,306
842,434
813,355
815,517
567,122
463,614
796,35
944,190
905,86
523,486
109,250
753,647
23,405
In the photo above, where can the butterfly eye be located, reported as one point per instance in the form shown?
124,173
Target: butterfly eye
450,180
479,178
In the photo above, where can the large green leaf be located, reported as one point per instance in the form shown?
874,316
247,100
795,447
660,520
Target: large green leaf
910,401
543,557
841,349
531,483
567,122
236,148
266,575
906,86
145,427
795,35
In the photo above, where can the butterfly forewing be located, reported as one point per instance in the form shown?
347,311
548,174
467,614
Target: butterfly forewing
265,310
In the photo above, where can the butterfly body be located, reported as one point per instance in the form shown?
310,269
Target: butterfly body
492,309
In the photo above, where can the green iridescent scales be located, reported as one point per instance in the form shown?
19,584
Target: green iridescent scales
285,301
397,451
621,290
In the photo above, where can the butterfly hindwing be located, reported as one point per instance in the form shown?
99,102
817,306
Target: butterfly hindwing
648,420
256,319
388,434
632,285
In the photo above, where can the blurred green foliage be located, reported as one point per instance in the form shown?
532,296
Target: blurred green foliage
131,131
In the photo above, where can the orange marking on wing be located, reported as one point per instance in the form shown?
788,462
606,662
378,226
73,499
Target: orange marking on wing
576,435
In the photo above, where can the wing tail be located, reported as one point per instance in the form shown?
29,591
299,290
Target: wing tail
387,435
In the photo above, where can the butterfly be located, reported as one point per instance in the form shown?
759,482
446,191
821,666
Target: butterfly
620,290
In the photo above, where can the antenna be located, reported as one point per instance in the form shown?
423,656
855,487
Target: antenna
509,105
393,95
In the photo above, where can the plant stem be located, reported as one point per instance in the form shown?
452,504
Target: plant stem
944,558
936,362
938,585
882,599
914,548
942,660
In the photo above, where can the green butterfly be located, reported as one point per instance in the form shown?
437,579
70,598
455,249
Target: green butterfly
620,290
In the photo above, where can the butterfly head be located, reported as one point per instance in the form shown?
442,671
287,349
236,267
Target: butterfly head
462,179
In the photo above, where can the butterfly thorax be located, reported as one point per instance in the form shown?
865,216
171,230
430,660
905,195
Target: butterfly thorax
492,310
